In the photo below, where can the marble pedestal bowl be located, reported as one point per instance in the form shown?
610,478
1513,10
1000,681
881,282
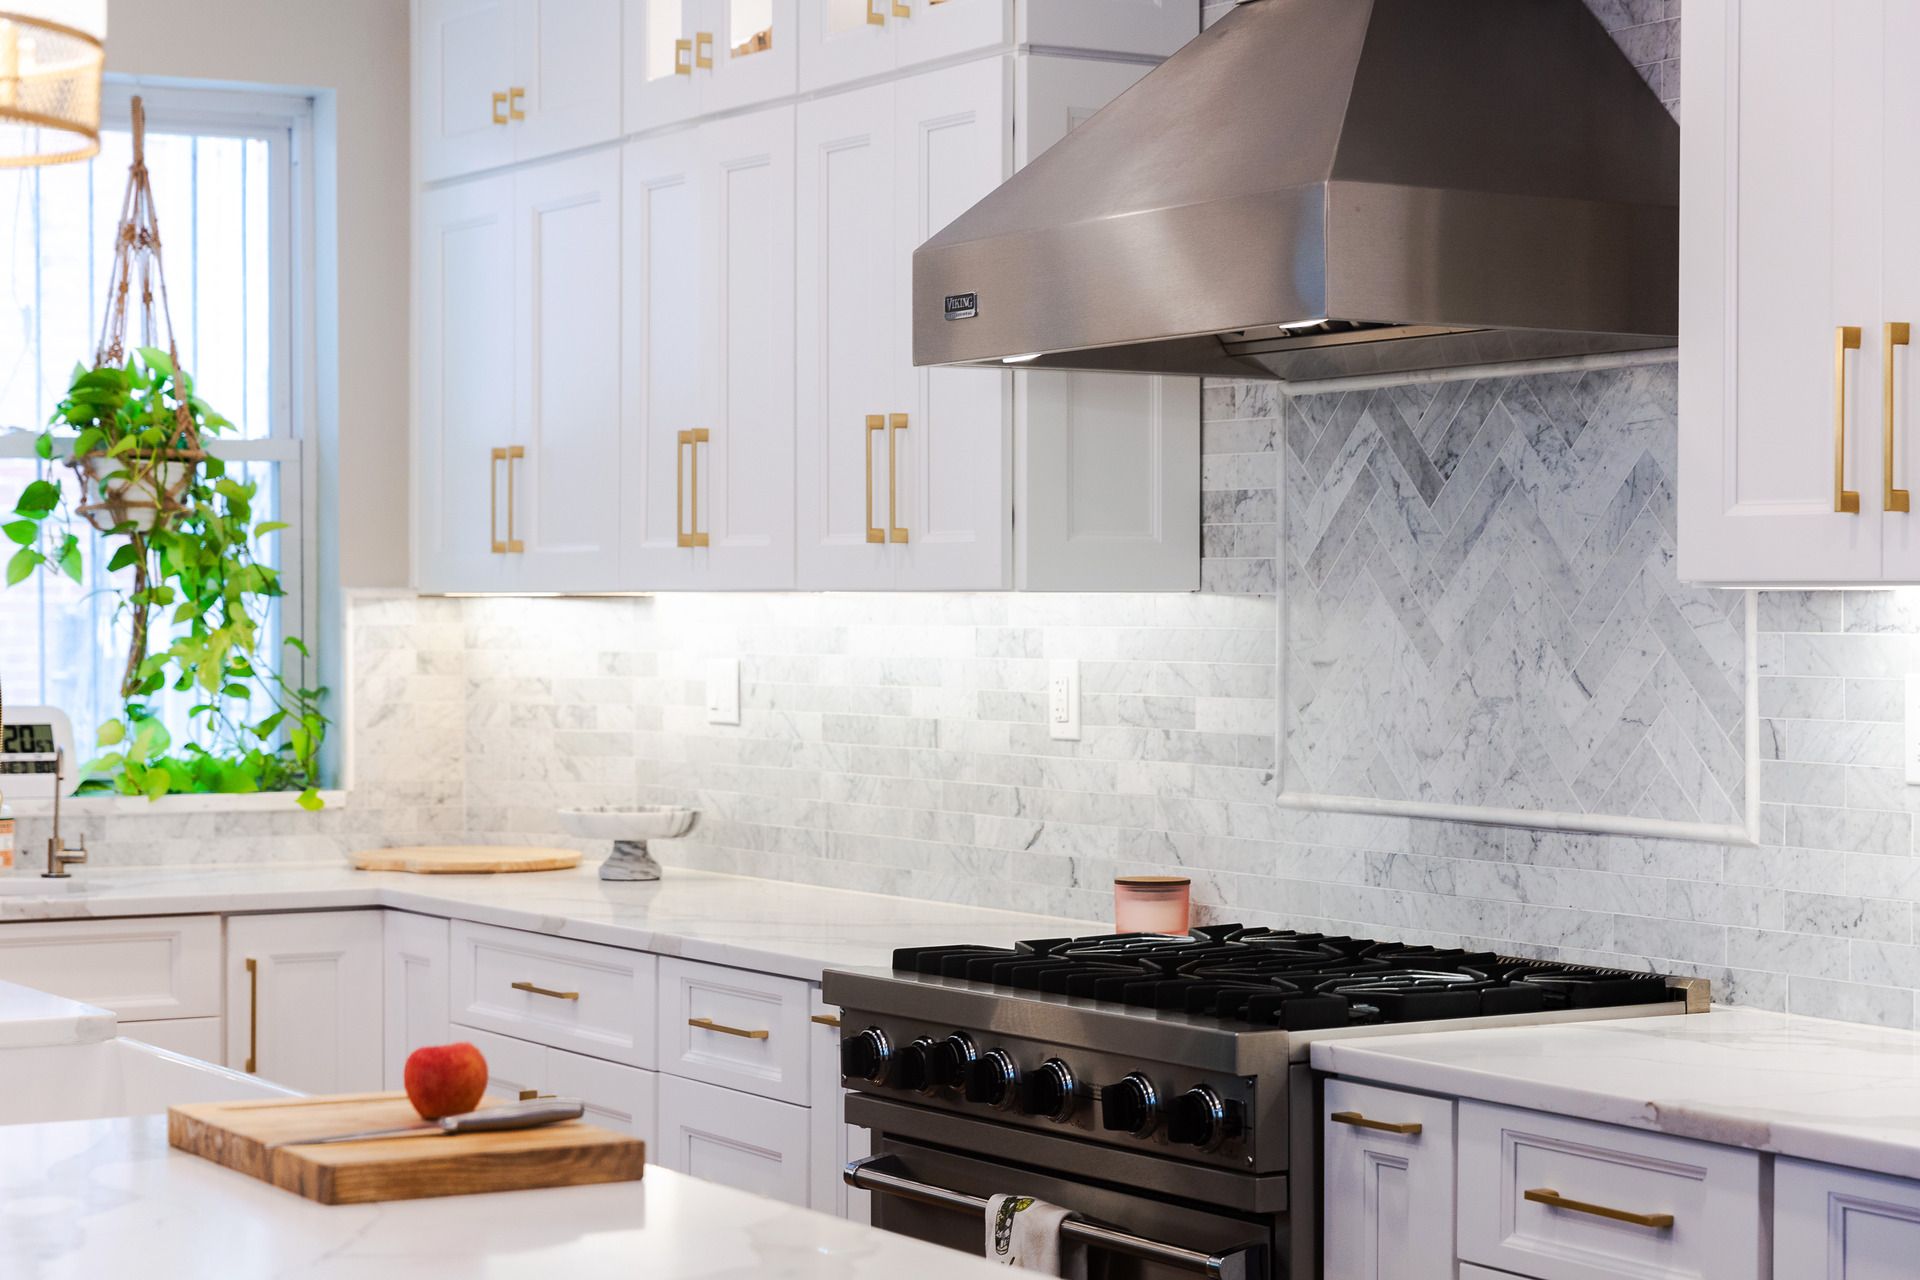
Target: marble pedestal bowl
629,829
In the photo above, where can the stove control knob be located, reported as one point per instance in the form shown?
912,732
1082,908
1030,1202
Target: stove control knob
1130,1106
915,1070
866,1055
1200,1119
993,1078
1049,1091
950,1059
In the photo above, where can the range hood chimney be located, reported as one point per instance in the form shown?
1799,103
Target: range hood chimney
1324,188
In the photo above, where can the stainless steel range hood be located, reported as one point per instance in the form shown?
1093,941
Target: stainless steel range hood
1319,188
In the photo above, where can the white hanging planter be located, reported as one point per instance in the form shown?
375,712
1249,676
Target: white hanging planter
131,489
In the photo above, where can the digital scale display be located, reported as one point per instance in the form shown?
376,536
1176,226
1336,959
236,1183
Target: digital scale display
24,740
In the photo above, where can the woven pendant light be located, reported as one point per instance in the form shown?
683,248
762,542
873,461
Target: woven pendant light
51,55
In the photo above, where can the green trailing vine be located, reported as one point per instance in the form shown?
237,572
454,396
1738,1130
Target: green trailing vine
186,530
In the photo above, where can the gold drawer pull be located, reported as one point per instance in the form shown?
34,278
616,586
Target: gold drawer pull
1361,1122
1846,501
826,1019
542,991
708,1024
1553,1199
528,1095
1898,334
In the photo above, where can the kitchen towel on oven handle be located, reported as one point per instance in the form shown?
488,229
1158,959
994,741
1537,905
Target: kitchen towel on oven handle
1024,1232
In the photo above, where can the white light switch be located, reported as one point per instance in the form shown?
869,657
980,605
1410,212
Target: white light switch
1063,699
723,691
1911,738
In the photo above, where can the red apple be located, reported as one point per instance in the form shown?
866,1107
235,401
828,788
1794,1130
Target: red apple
445,1079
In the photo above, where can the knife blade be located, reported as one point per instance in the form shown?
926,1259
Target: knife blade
514,1115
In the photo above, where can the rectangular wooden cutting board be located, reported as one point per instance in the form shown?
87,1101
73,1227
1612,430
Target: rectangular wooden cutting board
237,1134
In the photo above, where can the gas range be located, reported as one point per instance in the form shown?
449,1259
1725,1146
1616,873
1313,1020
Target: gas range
1170,1068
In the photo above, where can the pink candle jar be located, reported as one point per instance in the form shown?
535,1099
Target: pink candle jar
1151,904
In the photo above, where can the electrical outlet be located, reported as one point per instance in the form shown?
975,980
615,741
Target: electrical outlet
723,691
1063,700
1911,738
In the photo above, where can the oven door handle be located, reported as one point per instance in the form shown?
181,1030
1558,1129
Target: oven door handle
883,1173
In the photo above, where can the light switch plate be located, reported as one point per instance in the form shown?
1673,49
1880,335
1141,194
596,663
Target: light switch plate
723,691
1910,740
1063,699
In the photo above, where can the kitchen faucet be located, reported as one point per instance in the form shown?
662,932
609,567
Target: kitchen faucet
59,856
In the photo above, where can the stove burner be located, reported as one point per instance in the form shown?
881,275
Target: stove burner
1280,978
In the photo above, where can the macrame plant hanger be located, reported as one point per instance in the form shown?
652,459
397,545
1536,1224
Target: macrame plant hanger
142,488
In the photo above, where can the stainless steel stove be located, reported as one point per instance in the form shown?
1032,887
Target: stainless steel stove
1156,1085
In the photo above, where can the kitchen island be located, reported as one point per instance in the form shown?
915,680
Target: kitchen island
92,1198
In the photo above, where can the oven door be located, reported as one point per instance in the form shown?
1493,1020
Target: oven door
931,1193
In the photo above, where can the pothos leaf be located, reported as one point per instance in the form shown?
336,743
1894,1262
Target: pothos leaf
70,557
44,445
24,562
310,800
21,531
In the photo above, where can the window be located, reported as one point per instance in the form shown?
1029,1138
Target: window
231,186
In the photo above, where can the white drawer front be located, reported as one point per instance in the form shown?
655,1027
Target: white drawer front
1388,1195
1841,1224
735,1028
572,995
156,967
733,1138
1573,1167
621,1098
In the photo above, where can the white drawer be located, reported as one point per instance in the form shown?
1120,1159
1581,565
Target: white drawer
735,1028
1574,1167
151,967
1842,1224
733,1138
572,995
621,1098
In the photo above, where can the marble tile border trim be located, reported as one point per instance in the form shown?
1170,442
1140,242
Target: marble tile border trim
1462,373
1745,833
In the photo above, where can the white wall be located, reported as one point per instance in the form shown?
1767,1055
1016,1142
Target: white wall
359,49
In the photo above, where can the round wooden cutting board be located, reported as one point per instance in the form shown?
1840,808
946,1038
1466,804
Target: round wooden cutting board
466,859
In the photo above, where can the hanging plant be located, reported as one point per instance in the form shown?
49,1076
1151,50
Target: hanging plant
185,529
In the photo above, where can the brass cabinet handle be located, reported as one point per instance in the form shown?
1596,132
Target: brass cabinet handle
826,1019
507,455
875,19
683,68
895,425
1846,338
253,1016
1359,1121
687,532
499,101
703,49
901,10
1898,334
542,991
528,1095
513,103
1553,1199
708,1024
875,422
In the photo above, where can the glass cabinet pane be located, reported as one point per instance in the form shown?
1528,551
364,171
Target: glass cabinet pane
750,26
845,15
664,24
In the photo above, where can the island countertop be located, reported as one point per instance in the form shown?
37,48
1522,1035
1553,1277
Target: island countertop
92,1198
1836,1092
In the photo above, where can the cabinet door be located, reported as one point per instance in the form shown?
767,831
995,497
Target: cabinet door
950,528
1841,1224
462,59
1388,1196
465,384
845,40
567,75
734,1027
303,999
832,1142
141,969
1780,240
659,79
414,978
930,30
846,306
735,1139
754,52
565,508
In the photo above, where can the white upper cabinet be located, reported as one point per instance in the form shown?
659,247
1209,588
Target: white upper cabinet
686,58
504,80
1796,420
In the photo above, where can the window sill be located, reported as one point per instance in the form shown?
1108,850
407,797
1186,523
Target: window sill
124,806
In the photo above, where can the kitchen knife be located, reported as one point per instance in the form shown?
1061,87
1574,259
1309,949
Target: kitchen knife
515,1115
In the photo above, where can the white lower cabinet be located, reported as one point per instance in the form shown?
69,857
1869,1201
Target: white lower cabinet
414,982
617,1097
734,1027
736,1139
1561,1199
140,968
1388,1184
572,995
832,1142
304,999
1841,1224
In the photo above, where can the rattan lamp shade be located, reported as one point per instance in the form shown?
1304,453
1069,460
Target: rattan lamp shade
51,54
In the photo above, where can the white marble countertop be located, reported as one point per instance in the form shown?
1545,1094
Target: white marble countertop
1833,1091
92,1198
30,1019
769,925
